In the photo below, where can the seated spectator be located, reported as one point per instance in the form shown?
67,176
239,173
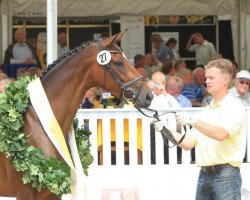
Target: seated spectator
241,88
88,99
206,100
168,68
1,68
174,86
162,101
179,64
4,82
138,61
198,84
21,52
62,44
188,91
35,71
3,76
151,65
235,71
22,72
143,72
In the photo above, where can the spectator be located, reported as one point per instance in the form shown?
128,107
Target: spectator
88,99
171,52
3,75
198,83
179,64
235,71
161,101
159,49
143,72
168,68
188,91
174,86
151,65
4,82
241,88
62,44
206,100
138,61
23,71
35,71
204,50
21,52
32,41
41,48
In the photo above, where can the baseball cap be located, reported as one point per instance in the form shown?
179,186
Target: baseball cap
243,74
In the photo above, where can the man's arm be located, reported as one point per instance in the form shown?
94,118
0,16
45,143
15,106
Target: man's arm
214,132
8,55
187,144
212,51
189,42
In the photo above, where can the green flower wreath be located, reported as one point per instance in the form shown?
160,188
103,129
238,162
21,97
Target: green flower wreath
41,172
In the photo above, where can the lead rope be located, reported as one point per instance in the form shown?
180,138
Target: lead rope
166,134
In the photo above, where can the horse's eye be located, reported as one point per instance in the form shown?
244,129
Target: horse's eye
118,63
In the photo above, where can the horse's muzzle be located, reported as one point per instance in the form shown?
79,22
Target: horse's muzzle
149,97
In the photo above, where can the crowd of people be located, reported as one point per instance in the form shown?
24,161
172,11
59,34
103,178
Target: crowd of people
187,86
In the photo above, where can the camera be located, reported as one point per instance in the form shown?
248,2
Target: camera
156,85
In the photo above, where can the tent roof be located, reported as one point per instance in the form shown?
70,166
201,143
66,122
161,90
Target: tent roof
88,8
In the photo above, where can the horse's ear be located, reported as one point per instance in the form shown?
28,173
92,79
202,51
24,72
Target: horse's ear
114,39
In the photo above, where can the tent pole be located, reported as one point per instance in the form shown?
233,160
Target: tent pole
4,27
242,34
51,31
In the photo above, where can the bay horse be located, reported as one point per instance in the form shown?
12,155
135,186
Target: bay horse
65,83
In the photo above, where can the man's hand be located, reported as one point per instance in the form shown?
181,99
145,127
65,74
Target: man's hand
158,126
184,120
28,61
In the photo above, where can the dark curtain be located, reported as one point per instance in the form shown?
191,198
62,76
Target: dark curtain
226,39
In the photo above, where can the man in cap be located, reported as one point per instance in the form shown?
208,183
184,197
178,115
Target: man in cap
241,87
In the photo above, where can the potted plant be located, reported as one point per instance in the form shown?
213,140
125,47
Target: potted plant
110,102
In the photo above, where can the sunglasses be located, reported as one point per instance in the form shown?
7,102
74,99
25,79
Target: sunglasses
244,82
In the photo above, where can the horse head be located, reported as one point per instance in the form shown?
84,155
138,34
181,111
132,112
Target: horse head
127,83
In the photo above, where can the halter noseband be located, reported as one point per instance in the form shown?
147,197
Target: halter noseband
127,92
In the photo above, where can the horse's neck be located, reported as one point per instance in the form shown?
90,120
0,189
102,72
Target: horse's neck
65,87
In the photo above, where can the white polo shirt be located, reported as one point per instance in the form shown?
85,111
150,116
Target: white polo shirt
21,52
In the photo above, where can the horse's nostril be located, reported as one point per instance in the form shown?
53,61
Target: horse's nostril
149,96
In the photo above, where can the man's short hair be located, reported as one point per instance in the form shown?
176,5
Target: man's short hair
138,57
171,40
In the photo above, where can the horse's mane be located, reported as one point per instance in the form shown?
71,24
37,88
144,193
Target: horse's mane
75,50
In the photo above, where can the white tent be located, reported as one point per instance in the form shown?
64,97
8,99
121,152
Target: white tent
238,11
